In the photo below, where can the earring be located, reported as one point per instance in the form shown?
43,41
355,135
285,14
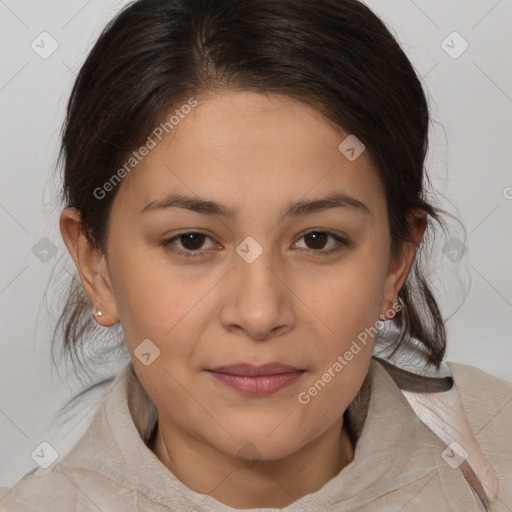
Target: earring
97,313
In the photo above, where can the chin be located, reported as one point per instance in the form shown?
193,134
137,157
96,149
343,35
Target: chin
253,446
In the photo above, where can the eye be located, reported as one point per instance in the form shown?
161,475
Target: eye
191,241
317,240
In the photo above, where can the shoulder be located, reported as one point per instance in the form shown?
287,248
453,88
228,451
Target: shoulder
486,399
475,382
38,493
67,487
487,404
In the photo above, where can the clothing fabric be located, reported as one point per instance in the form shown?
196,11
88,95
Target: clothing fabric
401,458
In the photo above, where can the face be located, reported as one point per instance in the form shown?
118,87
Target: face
268,283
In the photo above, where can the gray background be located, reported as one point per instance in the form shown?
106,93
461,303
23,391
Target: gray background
470,165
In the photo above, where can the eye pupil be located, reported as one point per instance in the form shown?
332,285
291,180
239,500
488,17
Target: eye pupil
318,238
196,239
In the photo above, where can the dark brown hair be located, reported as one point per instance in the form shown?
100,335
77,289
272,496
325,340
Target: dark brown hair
335,55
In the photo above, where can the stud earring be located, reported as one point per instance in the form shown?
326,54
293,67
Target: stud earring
97,313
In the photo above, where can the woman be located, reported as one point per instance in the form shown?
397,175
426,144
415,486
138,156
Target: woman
245,194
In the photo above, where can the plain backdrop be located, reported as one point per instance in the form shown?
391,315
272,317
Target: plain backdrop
462,51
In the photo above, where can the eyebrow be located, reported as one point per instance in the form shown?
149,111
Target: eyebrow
300,208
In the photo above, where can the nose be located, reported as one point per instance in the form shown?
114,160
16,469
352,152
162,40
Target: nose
258,301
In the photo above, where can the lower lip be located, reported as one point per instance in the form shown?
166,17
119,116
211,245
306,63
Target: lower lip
259,385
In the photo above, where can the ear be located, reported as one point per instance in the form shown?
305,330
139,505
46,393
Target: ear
92,266
400,265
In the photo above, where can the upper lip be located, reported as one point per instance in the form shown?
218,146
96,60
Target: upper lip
250,370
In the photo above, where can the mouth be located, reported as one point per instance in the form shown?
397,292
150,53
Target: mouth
256,380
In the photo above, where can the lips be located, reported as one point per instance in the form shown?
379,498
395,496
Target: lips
249,370
256,380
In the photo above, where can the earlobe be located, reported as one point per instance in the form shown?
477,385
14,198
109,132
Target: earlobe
91,265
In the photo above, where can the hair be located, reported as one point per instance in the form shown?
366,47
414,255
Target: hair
334,55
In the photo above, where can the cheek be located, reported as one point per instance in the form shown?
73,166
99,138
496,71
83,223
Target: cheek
150,295
350,299
347,309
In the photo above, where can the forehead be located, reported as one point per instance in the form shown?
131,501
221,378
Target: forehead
246,147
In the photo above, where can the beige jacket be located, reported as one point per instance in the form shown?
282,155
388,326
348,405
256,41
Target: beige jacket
401,462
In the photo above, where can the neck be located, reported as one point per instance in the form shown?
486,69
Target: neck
256,484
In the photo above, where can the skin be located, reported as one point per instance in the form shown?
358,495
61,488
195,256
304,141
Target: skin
255,153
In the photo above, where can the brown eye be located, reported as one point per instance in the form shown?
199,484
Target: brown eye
317,240
192,241
191,244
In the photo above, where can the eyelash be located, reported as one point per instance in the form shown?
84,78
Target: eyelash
201,254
